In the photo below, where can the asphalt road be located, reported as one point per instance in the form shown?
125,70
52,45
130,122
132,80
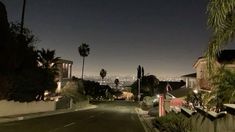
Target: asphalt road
118,116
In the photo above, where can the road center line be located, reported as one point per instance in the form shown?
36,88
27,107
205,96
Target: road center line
70,124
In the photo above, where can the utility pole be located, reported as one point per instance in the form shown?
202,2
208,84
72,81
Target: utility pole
22,18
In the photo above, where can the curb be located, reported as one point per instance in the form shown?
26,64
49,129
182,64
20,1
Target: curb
146,123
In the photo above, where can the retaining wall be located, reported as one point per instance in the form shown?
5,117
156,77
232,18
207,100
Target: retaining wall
203,121
8,108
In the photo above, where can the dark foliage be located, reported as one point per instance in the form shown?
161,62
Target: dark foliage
139,72
103,73
21,78
173,122
97,91
116,81
149,85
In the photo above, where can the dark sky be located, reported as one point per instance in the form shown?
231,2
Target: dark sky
164,36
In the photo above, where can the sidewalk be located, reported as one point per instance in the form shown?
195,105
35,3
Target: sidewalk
12,118
146,120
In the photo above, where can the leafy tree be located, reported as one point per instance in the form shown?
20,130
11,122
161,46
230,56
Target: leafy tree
103,73
95,90
116,81
84,51
149,85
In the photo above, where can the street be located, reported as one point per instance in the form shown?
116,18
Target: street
118,116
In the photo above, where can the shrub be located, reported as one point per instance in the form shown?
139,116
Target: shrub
74,89
173,122
147,102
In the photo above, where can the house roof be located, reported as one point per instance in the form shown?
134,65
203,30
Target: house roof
65,61
226,56
199,60
190,75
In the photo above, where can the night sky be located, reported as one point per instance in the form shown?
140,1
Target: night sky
164,36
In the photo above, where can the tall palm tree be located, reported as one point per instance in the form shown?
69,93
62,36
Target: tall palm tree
84,51
103,74
221,19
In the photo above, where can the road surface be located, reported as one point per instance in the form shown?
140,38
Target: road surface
118,116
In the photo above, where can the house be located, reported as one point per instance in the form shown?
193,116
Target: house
226,58
64,73
190,80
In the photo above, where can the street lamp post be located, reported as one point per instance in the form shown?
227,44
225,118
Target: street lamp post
22,17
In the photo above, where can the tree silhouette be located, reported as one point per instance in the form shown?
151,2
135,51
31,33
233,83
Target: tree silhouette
103,73
4,25
84,51
139,72
149,84
142,72
116,81
47,59
20,76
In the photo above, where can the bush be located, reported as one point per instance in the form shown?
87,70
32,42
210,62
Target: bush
173,122
148,85
147,102
74,89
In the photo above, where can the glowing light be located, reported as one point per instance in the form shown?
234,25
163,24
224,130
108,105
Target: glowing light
195,91
46,93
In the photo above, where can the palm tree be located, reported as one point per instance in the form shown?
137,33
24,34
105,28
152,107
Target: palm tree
103,73
221,19
47,59
116,81
84,51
